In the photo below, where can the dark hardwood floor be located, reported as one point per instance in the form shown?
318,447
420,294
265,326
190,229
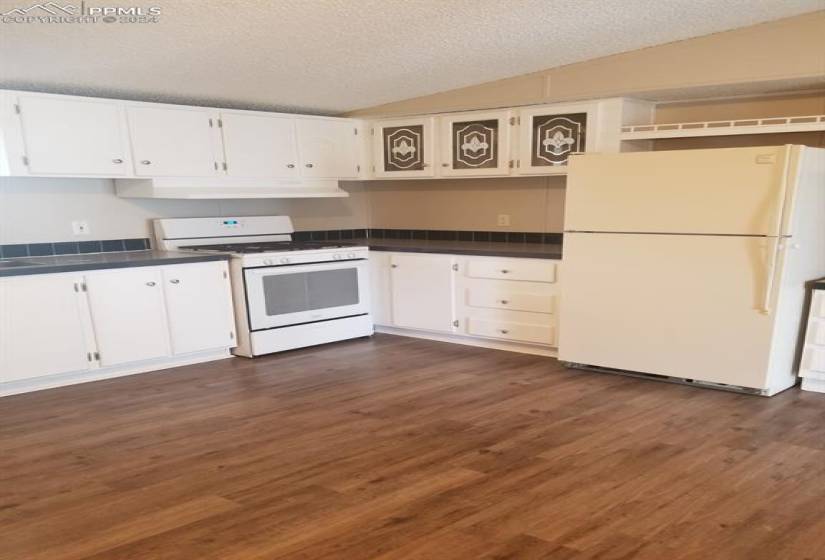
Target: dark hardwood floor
394,448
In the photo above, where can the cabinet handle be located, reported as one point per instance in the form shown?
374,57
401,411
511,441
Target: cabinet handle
425,165
145,162
117,160
445,165
174,281
504,271
309,165
150,284
504,302
290,165
503,331
393,266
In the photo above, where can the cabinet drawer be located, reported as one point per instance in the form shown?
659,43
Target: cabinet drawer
509,297
509,330
816,332
534,270
818,304
814,360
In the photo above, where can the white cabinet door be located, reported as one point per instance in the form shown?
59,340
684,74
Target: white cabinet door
549,135
328,148
423,294
380,288
66,136
41,327
475,144
174,142
259,146
404,147
128,314
198,306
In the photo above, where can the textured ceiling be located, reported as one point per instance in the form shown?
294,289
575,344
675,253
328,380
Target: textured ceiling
331,56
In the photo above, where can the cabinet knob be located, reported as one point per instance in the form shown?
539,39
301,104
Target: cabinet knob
309,165
145,162
174,281
150,284
394,266
290,165
504,271
445,165
504,302
503,331
117,160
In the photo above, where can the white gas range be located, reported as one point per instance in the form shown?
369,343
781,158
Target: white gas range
288,294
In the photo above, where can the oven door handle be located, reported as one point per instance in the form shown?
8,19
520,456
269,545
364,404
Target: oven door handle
277,270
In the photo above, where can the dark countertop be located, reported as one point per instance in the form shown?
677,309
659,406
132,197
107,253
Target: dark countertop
95,261
489,249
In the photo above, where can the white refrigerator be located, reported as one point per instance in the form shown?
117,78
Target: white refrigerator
692,264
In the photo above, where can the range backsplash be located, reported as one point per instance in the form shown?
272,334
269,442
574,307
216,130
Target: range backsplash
431,235
73,247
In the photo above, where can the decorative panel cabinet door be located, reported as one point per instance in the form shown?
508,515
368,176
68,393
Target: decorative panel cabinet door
550,135
475,144
403,147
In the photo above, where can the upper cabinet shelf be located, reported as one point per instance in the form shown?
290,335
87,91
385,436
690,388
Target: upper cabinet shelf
770,125
159,150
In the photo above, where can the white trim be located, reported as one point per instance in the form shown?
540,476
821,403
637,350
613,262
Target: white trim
471,341
63,379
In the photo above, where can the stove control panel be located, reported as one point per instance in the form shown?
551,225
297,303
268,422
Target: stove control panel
304,257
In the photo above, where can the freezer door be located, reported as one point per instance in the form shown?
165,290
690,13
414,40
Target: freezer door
735,191
675,305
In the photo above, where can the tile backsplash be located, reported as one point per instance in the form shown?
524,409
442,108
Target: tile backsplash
430,235
73,247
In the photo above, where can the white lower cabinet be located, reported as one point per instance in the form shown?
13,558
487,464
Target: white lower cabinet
127,315
116,320
513,300
422,291
198,307
812,364
42,327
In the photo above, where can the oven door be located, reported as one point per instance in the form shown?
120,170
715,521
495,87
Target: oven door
278,296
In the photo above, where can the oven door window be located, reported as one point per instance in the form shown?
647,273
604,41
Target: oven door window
308,291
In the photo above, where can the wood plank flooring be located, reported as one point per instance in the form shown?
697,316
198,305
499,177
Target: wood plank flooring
395,448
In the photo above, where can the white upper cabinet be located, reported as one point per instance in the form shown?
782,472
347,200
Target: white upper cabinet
475,144
549,135
128,314
42,328
258,146
327,148
199,306
404,148
70,136
173,142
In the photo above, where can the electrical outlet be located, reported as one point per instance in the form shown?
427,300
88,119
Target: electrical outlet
504,220
80,227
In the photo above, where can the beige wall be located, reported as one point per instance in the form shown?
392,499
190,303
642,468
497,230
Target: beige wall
533,204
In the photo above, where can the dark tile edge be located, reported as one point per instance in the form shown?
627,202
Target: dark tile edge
10,251
520,237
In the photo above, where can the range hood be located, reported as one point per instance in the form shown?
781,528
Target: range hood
227,187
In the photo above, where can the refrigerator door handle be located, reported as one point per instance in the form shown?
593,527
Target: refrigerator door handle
777,245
